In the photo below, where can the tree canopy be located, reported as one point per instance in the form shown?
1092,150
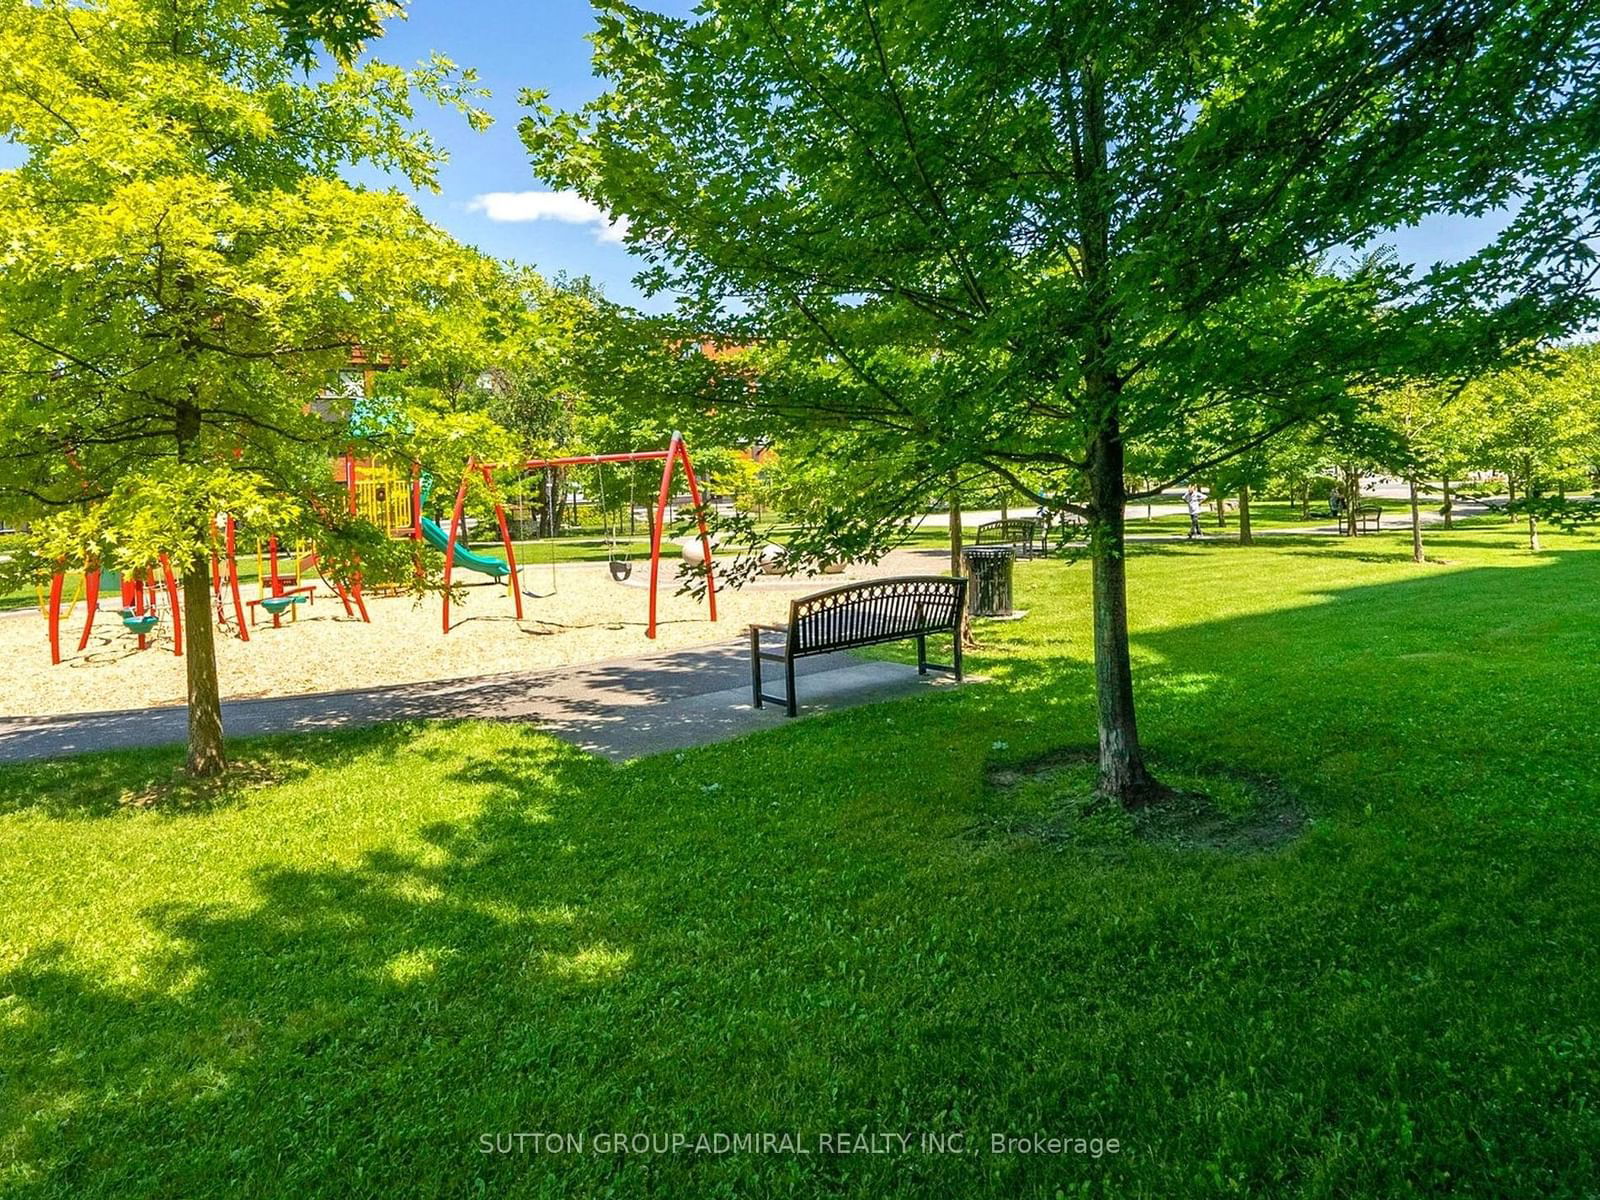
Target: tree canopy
182,275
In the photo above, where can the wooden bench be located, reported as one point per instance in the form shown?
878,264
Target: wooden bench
1369,518
862,614
1020,533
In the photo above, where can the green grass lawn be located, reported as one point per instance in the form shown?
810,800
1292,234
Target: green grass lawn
334,980
1264,515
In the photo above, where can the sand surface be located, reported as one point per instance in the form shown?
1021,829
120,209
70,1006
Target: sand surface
590,618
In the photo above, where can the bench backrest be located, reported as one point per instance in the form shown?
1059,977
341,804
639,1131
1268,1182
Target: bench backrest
879,610
1012,531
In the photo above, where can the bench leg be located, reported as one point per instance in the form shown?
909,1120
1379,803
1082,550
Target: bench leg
788,667
755,667
955,653
922,654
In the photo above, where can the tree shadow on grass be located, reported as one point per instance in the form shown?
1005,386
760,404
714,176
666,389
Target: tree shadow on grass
104,784
332,993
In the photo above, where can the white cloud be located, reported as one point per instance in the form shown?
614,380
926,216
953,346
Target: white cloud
568,207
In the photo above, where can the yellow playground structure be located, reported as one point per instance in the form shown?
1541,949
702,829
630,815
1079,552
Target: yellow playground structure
382,495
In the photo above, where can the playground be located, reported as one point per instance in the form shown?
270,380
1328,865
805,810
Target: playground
284,628
589,618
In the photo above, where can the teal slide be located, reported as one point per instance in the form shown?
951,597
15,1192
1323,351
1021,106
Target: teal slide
439,539
482,563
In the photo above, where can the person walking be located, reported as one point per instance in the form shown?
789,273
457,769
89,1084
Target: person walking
1193,498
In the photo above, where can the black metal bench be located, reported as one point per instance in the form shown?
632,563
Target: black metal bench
1020,533
1369,518
862,614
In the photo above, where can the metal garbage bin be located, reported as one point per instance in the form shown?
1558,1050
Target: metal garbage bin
989,568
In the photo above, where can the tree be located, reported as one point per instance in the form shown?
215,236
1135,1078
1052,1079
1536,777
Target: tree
183,273
1102,219
1541,423
1413,416
1244,475
1297,464
342,27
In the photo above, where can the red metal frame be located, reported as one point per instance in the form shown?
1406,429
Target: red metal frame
233,581
173,604
91,595
56,581
677,451
485,471
135,592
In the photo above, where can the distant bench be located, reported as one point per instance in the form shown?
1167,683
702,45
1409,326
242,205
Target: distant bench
862,614
1029,537
1369,518
1019,533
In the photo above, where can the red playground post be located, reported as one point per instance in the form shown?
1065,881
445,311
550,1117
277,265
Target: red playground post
56,581
91,596
677,451
174,605
484,470
231,548
505,540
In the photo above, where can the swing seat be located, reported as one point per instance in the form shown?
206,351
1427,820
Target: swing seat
620,570
140,623
277,605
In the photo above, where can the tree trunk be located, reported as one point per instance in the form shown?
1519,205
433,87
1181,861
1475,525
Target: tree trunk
957,567
1416,523
1449,504
1533,533
1352,500
955,530
1222,513
1245,537
1123,775
206,756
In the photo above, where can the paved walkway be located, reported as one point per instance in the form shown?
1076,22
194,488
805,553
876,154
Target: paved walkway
627,708
622,709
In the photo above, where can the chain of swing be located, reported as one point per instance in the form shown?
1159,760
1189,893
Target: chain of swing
619,550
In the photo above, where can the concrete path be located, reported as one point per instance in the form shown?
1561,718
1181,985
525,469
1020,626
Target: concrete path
623,709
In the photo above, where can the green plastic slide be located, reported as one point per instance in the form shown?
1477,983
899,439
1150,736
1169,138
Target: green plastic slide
482,563
437,538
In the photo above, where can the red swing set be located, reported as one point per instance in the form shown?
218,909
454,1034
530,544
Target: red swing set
139,592
676,452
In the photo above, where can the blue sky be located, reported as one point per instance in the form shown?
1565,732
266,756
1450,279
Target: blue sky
513,45
489,196
541,44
